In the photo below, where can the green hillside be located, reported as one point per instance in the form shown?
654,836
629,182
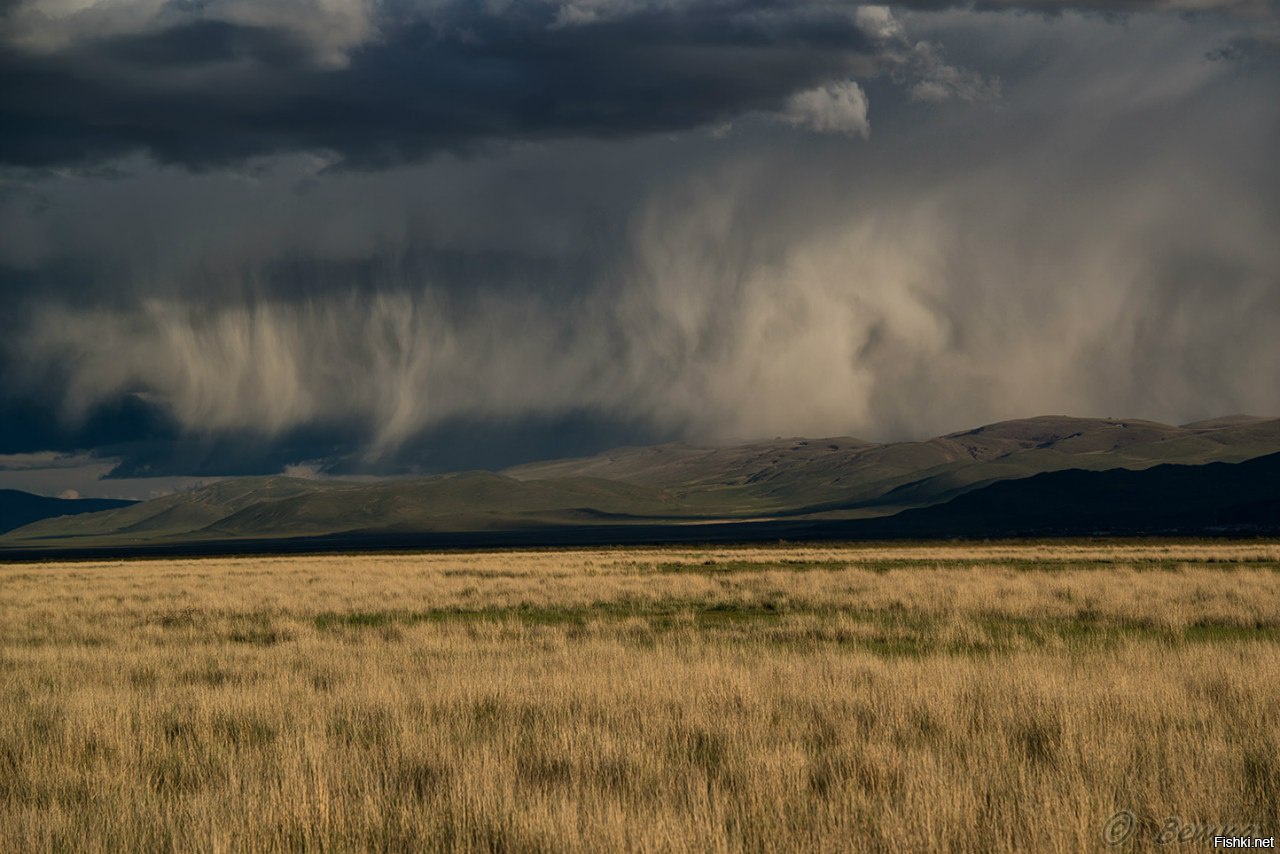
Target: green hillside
276,506
845,474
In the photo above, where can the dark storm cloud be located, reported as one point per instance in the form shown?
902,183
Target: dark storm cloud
211,83
31,425
204,92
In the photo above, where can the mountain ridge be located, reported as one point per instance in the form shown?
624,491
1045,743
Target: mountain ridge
805,480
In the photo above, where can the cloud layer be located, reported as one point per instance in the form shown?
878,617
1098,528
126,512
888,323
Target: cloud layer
212,82
689,220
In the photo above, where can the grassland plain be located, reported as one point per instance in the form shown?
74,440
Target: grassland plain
906,698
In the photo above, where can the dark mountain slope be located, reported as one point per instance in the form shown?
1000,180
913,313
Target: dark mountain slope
1212,498
22,508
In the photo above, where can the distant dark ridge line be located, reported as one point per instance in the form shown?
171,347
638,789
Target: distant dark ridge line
589,536
18,508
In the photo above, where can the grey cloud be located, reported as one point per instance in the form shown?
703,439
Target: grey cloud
921,65
836,108
321,31
1250,9
1259,43
42,460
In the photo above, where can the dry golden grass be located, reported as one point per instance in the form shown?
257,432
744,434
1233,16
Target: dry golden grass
1004,698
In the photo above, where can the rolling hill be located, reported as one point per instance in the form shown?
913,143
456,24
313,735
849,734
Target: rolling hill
284,506
792,486
843,474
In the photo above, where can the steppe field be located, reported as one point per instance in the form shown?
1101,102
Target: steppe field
990,698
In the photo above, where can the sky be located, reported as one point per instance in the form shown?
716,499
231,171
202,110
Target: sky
386,237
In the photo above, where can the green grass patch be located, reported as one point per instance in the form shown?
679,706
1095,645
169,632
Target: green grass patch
890,632
884,565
